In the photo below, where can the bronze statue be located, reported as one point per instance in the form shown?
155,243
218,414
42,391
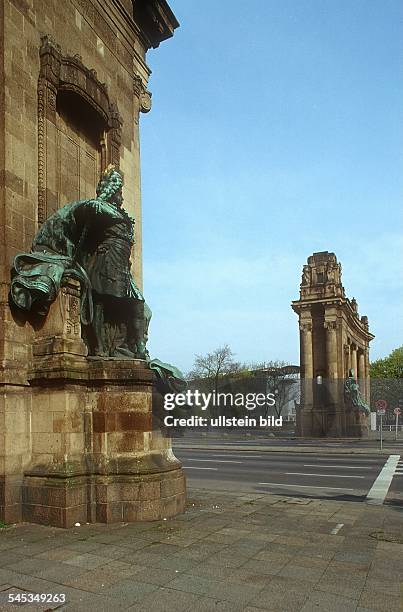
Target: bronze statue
121,316
89,240
353,394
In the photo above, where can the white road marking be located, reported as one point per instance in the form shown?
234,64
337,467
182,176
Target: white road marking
379,490
243,457
193,467
286,486
323,475
197,441
349,460
344,467
336,529
214,460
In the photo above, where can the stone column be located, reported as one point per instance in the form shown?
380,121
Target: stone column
332,371
306,348
367,377
349,366
361,371
346,360
354,359
307,375
331,349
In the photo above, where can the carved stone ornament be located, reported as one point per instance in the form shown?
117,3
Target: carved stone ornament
72,323
331,325
60,72
306,276
305,327
145,101
142,93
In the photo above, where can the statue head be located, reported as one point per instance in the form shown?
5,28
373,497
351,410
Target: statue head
110,186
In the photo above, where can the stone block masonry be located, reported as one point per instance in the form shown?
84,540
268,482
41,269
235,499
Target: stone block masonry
73,82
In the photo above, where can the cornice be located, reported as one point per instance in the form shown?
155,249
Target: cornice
155,19
344,304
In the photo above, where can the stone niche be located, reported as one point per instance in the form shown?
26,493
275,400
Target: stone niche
78,442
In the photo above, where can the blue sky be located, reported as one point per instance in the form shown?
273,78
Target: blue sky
276,131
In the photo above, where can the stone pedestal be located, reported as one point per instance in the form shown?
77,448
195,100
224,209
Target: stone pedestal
97,453
357,425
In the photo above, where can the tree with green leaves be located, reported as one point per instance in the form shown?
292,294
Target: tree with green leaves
387,382
389,367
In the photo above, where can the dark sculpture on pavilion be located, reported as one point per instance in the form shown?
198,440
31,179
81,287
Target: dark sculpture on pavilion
90,241
353,395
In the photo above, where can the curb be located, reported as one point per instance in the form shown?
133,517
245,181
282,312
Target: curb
292,449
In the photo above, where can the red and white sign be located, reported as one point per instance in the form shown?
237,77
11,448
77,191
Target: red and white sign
381,405
397,411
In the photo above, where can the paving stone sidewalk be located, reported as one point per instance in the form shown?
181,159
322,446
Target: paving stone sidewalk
228,552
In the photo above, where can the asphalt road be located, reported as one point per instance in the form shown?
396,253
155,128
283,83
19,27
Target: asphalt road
388,441
343,477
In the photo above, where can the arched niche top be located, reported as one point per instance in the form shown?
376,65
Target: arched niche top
60,73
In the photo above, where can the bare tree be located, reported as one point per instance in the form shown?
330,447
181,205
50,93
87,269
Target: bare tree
213,366
280,379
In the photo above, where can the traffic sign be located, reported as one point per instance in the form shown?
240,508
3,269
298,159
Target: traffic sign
397,412
381,406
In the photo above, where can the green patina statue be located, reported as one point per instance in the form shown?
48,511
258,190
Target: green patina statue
353,394
91,241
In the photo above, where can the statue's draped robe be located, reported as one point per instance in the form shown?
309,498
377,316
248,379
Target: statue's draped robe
107,264
121,316
59,250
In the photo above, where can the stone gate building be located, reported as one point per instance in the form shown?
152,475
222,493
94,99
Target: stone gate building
334,339
73,82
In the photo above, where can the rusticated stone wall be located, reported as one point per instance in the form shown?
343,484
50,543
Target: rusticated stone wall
88,56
